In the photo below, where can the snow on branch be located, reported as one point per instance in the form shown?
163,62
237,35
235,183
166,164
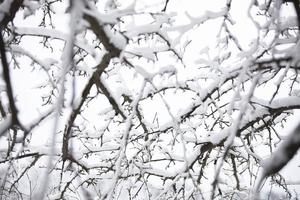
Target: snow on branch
280,158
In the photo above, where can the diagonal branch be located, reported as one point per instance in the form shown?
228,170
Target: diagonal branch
10,14
6,76
98,29
286,151
110,98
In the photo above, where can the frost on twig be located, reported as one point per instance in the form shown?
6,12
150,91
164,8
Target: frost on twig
146,99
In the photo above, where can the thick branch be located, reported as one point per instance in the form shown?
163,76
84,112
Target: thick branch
113,51
286,151
6,76
10,14
97,28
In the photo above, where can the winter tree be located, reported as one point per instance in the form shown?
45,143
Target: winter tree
136,99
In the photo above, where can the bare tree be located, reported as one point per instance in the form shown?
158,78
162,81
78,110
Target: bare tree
147,100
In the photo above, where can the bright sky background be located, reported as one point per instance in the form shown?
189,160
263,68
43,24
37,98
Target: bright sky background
25,80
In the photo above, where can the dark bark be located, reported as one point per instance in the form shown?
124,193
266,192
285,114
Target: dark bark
10,14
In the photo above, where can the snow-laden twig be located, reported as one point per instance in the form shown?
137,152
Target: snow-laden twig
285,152
128,124
54,34
67,63
233,132
45,64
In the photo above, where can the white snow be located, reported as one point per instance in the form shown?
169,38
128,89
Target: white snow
55,34
115,37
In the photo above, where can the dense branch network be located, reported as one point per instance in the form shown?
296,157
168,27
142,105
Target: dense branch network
139,107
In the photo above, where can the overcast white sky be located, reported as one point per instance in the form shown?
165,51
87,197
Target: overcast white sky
26,80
